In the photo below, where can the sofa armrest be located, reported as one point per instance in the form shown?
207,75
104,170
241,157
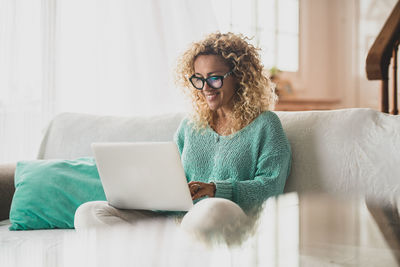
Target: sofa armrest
6,188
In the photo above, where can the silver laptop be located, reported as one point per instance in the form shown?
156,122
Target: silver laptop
147,176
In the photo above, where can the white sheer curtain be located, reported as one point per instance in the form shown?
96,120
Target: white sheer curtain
112,57
93,56
22,82
117,57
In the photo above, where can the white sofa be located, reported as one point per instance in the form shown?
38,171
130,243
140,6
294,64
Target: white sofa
349,151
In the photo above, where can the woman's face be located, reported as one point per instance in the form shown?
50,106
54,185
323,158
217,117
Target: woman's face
211,65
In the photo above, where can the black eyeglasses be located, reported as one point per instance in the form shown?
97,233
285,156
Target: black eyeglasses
214,82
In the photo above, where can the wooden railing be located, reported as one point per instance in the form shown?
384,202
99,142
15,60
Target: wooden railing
379,56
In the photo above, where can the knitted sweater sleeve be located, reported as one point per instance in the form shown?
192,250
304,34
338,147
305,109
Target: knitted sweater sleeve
179,136
272,169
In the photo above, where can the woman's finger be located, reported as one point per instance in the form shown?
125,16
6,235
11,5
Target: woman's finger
193,188
194,191
202,193
196,187
197,195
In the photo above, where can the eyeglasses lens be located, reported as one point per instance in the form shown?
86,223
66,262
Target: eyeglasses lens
214,82
198,83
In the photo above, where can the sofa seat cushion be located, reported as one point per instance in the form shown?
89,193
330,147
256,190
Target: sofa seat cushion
32,248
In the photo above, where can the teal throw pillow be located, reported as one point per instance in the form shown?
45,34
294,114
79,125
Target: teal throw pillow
48,192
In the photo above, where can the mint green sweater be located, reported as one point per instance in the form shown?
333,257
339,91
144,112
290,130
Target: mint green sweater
247,167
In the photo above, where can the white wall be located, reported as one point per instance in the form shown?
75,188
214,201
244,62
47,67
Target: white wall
334,40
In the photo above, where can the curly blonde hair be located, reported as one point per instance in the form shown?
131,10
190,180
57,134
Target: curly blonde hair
255,92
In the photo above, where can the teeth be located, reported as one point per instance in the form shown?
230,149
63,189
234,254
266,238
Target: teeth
211,97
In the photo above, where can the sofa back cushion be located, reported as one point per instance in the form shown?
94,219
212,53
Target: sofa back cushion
349,150
69,135
344,151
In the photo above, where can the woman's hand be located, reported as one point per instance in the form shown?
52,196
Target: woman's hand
199,189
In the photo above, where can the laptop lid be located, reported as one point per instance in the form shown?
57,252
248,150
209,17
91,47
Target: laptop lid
147,176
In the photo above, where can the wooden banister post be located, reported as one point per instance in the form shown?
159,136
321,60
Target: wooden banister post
395,109
385,95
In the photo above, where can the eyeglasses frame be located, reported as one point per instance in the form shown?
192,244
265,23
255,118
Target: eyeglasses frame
204,80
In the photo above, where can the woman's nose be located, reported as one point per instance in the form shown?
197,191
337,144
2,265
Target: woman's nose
206,87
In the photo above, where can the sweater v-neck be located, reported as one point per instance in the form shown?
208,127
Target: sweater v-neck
230,136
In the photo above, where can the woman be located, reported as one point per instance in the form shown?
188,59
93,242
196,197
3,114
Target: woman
234,151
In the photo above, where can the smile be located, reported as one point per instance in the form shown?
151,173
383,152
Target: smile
211,96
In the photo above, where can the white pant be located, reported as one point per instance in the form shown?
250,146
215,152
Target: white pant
209,218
